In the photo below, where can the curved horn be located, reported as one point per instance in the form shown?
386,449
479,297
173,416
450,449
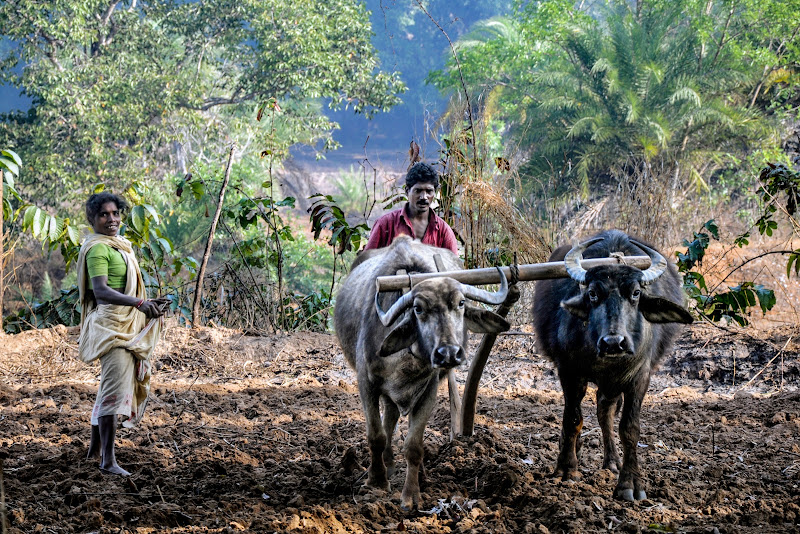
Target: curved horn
395,311
481,295
657,263
573,260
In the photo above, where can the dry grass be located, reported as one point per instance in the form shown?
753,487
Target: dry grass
491,220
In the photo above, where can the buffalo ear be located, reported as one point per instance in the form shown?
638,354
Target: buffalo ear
576,306
401,337
483,321
660,310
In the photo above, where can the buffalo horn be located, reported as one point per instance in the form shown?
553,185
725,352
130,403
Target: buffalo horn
481,295
395,311
657,263
573,260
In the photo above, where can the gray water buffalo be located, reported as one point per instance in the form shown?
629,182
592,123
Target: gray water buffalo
612,326
401,354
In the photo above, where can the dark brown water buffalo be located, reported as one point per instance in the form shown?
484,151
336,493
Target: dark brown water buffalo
611,326
400,355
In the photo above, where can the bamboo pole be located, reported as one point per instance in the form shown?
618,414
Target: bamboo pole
527,273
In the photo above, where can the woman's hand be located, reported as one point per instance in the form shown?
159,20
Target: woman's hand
153,308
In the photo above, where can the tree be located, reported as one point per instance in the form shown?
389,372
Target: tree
131,89
634,83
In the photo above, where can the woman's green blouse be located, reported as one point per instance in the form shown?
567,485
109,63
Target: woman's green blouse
102,260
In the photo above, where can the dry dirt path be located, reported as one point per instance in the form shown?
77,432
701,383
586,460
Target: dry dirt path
266,435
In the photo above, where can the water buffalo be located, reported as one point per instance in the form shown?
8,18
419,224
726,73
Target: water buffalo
400,355
611,326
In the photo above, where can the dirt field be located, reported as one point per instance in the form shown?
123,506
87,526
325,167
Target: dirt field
266,435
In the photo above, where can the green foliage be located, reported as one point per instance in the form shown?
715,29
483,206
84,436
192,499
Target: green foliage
325,214
61,310
137,89
587,89
733,304
307,312
778,180
9,169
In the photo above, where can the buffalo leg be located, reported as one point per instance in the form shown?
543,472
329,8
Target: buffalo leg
390,416
606,409
417,420
630,485
376,438
572,424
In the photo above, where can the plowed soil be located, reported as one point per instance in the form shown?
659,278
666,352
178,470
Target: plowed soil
266,434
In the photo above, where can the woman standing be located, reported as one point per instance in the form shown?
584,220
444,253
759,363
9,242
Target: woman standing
119,326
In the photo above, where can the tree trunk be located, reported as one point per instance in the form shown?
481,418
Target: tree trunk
198,292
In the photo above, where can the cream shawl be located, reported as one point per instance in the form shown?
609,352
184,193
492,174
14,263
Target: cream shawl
108,326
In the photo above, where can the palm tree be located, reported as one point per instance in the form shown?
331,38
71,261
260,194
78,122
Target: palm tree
634,85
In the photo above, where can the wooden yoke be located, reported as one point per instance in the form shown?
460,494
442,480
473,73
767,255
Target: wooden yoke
527,273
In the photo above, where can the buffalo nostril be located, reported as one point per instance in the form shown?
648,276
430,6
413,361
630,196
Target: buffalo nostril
449,356
613,344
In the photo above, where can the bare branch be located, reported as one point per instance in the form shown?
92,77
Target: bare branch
461,77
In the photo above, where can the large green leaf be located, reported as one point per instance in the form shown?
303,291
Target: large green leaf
74,235
38,223
9,165
137,219
55,227
7,152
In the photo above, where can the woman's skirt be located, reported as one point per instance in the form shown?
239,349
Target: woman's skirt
124,386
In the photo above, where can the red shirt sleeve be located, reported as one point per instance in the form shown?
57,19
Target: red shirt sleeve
378,236
448,238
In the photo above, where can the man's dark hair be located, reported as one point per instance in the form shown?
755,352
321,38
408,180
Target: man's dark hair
422,172
97,200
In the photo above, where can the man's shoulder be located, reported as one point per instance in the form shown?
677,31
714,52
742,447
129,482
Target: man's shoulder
391,216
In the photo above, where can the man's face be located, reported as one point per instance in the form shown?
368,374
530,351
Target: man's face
420,197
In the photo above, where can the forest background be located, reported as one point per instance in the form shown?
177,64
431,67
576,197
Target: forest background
282,130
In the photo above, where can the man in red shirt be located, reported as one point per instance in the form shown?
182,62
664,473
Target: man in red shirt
416,218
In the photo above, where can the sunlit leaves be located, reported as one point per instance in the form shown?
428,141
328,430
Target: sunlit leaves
733,303
325,214
10,162
118,94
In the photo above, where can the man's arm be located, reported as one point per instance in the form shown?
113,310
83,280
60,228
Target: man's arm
448,238
378,236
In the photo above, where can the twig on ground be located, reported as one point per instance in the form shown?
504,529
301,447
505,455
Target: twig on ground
780,352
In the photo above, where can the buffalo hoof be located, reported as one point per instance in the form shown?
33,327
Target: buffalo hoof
567,474
378,482
409,504
630,495
612,465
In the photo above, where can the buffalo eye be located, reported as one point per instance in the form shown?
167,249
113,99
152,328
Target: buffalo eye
636,294
592,295
418,310
461,303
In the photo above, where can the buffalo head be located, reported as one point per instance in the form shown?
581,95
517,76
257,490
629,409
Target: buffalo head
440,319
613,300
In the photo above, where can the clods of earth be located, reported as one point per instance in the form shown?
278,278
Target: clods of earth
266,434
